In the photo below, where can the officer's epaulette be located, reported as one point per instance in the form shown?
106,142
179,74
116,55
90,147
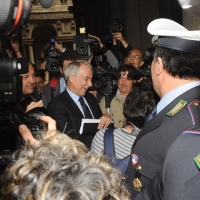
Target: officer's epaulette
197,161
177,107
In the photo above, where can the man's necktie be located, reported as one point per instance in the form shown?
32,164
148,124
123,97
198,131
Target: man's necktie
86,110
152,114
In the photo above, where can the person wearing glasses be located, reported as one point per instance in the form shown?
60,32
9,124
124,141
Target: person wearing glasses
134,58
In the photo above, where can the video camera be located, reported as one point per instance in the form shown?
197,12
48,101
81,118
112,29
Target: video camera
10,81
115,25
105,78
86,46
51,56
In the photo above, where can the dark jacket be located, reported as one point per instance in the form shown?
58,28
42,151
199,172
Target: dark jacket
68,116
50,93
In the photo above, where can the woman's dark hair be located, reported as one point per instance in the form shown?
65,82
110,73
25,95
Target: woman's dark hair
138,105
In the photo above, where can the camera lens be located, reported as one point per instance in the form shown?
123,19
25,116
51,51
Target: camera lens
54,66
115,26
82,50
14,14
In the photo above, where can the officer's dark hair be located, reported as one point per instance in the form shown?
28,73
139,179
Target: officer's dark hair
124,68
179,64
138,105
68,55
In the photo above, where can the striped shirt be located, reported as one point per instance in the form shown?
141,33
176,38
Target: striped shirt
123,142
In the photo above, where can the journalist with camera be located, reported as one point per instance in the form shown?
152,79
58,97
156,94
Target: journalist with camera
86,46
117,98
51,55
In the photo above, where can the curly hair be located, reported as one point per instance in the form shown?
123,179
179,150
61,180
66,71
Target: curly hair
61,168
179,64
138,105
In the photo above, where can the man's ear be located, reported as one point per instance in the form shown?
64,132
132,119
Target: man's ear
71,78
61,71
159,67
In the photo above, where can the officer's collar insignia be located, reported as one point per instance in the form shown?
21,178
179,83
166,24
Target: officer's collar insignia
134,159
197,161
177,107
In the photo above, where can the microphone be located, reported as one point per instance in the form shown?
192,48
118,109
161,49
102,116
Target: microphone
46,3
78,40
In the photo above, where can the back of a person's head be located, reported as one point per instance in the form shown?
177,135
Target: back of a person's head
138,105
61,168
68,55
179,64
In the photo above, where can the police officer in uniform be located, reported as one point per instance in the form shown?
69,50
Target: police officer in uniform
175,72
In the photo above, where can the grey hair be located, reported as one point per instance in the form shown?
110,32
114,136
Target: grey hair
62,168
74,66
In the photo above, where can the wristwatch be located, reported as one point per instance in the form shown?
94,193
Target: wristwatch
64,49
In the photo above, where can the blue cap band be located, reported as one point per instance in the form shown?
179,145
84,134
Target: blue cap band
190,46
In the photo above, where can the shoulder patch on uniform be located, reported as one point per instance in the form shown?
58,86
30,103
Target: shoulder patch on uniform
177,107
197,161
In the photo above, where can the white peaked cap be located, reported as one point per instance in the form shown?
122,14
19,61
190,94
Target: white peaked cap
169,28
175,36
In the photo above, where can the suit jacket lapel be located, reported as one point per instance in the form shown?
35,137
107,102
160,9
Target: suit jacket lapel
71,105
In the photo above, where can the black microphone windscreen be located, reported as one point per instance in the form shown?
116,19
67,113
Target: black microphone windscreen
46,3
78,40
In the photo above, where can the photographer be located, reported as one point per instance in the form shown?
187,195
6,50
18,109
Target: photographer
112,60
118,36
124,85
132,57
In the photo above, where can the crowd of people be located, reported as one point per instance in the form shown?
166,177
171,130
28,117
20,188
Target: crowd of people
155,125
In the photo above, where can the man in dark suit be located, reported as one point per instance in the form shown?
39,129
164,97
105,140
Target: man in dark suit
67,108
176,79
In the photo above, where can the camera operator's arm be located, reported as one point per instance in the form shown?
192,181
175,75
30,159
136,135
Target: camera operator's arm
119,36
15,46
112,60
27,135
115,49
59,47
9,53
90,59
42,66
34,105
